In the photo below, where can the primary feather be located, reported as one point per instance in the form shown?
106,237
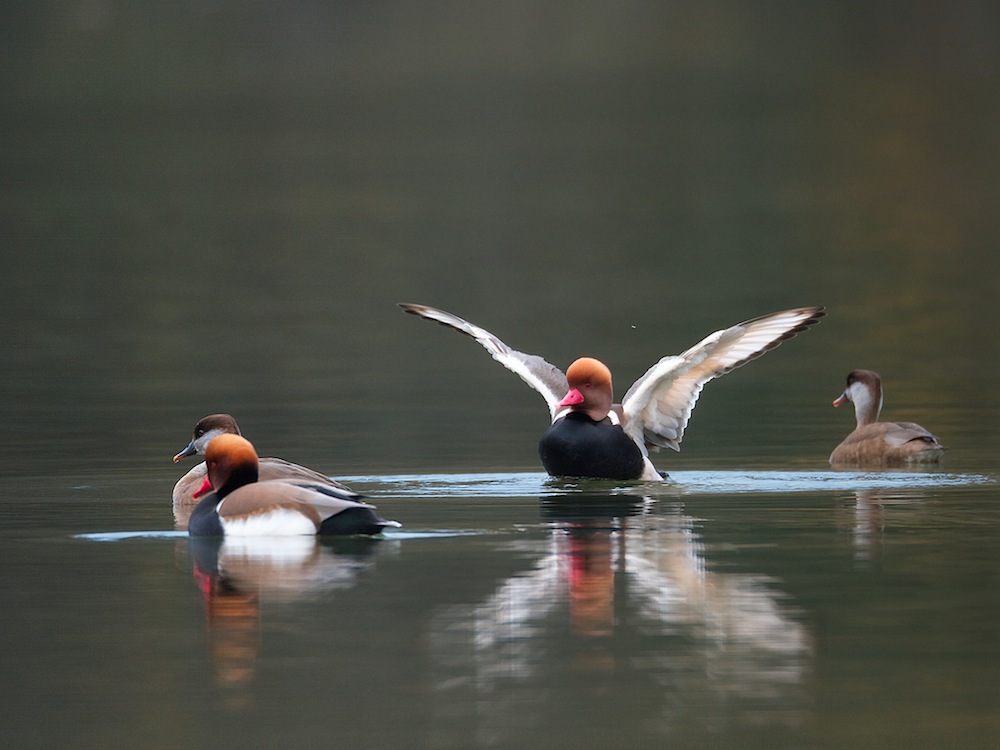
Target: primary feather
544,377
658,405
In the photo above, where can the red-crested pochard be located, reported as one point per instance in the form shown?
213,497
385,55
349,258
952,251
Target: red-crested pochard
234,503
874,442
209,428
590,436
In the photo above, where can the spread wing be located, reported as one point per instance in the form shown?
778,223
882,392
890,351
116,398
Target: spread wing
545,378
658,405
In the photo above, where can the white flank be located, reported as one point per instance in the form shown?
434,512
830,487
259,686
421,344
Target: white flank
276,522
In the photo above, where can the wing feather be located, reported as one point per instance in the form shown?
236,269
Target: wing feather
658,405
321,501
545,378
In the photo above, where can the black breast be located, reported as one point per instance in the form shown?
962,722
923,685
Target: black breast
577,446
204,520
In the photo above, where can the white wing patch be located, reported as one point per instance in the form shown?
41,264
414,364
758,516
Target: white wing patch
658,405
544,377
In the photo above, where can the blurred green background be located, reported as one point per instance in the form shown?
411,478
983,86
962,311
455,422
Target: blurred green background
211,206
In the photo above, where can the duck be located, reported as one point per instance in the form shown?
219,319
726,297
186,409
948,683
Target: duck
880,443
591,436
210,427
234,502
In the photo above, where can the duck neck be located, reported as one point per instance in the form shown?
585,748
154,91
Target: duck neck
867,405
597,403
240,476
596,413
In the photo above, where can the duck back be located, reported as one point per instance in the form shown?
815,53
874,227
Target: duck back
888,444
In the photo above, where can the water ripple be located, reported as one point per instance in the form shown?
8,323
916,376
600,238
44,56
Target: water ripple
531,484
120,536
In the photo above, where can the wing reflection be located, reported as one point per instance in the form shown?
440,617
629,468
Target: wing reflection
239,576
627,595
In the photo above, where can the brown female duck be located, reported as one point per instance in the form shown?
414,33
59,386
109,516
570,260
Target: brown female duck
880,443
209,428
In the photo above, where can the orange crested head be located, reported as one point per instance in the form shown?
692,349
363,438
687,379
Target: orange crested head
588,371
234,448
590,389
232,462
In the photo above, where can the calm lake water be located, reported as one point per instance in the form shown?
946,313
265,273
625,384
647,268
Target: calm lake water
215,208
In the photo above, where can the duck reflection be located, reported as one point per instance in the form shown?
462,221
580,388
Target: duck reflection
863,514
587,547
623,593
239,576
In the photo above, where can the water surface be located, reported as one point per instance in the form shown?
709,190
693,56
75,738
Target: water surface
521,612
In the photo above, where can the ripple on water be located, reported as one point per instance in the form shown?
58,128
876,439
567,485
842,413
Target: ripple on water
121,536
527,484
535,484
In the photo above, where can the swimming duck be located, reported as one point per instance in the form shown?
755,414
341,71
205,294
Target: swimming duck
590,436
233,502
873,442
209,428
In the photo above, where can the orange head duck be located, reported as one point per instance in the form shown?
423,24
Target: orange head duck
590,436
205,431
234,503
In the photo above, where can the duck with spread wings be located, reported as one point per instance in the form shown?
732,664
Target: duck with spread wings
590,435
